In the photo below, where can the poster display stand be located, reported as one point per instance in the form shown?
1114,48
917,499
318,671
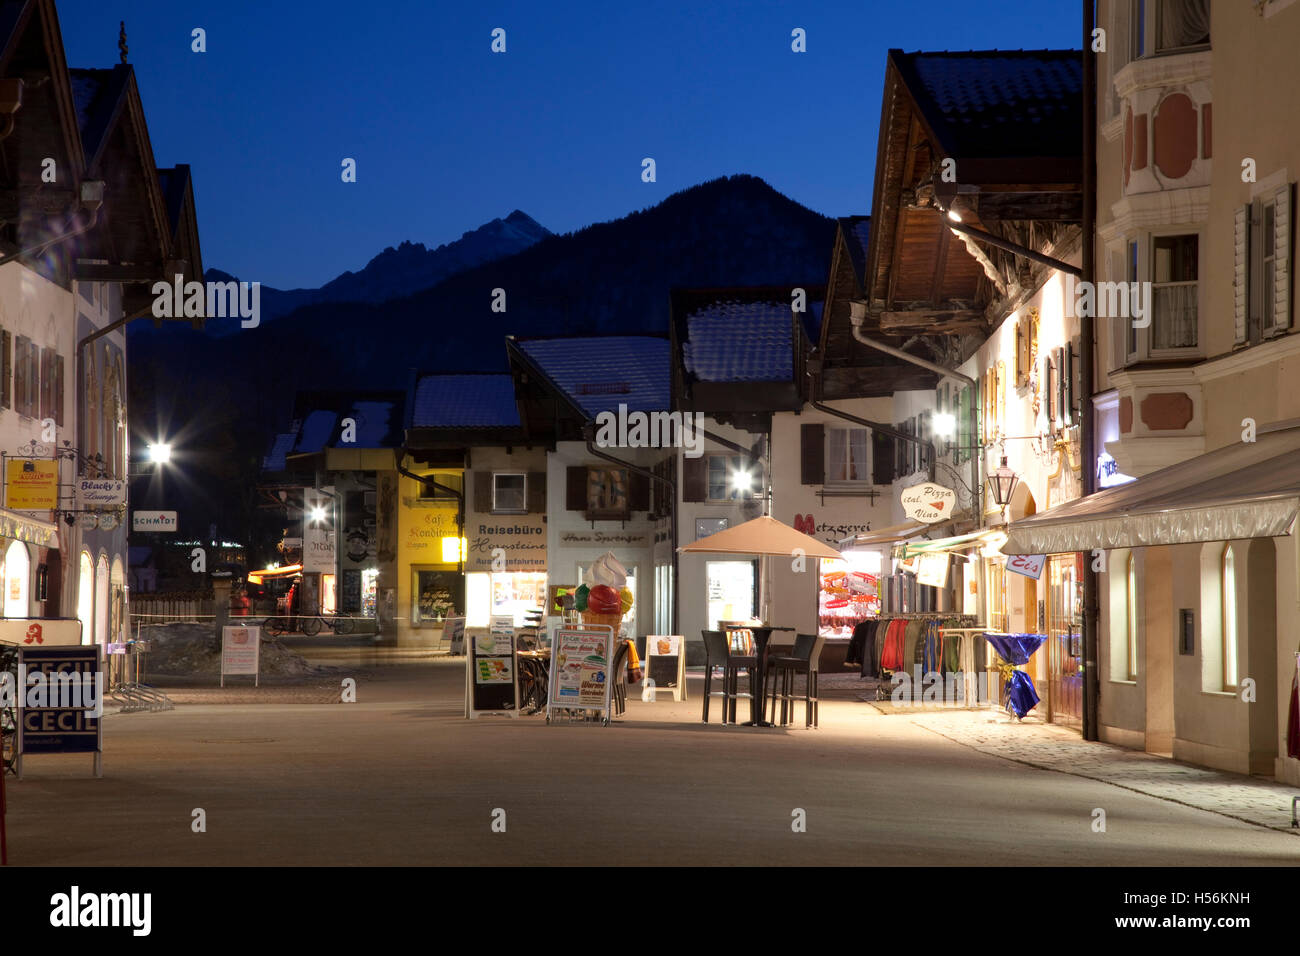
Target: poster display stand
241,652
65,718
665,666
581,676
491,672
453,631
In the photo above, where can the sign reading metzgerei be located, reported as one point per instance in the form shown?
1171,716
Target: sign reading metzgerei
153,521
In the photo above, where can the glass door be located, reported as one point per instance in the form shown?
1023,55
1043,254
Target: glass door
1065,640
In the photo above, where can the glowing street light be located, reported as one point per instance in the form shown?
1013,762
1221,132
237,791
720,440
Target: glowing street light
945,425
160,453
742,481
317,513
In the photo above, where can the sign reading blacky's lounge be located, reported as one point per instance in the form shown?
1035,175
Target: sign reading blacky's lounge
101,492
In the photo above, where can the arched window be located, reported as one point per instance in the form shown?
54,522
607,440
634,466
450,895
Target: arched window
117,617
86,597
101,600
1229,605
17,579
1130,600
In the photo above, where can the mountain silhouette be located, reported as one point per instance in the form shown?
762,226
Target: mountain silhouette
226,391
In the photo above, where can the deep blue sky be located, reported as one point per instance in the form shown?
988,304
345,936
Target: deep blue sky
448,135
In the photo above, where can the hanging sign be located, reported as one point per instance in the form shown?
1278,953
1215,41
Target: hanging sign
928,502
101,492
933,569
31,485
1030,565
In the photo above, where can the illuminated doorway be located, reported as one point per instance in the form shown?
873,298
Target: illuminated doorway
17,577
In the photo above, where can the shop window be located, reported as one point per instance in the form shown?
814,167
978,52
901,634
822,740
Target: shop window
86,597
436,596
1219,636
1130,605
509,493
17,570
1228,579
1123,635
730,591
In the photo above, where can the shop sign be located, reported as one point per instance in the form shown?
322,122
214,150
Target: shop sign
827,532
422,538
153,521
518,540
933,569
101,492
605,538
53,631
32,485
67,721
928,502
1030,565
318,551
36,532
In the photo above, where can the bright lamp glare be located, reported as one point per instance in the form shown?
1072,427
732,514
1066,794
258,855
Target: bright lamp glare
160,453
945,425
954,215
742,480
317,513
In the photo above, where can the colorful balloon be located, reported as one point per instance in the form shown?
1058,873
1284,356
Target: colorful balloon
603,599
625,599
580,597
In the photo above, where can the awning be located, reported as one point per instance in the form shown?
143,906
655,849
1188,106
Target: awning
257,577
19,527
890,535
946,544
762,535
1245,490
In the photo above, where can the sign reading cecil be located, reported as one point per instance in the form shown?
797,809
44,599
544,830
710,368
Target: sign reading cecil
31,485
928,502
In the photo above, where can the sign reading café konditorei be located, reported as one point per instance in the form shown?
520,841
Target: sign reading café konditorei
518,541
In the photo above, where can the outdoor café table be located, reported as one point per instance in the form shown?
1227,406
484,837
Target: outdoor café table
761,632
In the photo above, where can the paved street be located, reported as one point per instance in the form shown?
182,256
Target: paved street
401,778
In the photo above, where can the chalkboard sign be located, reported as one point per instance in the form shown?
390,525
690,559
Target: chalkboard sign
666,663
66,717
491,674
350,599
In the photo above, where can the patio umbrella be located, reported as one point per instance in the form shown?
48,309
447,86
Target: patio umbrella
763,536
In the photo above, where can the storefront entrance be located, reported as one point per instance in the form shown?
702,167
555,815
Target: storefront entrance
1064,614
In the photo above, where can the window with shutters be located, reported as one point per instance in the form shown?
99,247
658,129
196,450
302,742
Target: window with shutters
1166,269
848,459
509,492
1262,266
452,486
27,376
608,493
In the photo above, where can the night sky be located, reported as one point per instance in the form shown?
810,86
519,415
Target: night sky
448,135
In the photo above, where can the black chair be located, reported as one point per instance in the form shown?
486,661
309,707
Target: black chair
717,650
618,689
802,660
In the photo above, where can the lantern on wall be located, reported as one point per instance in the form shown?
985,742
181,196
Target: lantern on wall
1002,483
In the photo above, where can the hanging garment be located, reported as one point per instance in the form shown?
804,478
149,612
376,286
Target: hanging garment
870,659
854,653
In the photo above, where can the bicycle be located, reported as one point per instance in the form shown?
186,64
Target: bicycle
338,623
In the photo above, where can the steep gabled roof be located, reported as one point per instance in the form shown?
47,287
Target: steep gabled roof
465,401
600,373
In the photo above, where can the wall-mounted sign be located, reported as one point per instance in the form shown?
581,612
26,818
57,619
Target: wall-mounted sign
100,492
604,538
31,485
520,538
933,569
153,521
26,529
928,502
42,633
1030,565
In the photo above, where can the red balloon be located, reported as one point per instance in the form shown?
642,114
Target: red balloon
603,599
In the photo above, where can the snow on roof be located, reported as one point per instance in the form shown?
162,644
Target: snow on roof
465,401
599,373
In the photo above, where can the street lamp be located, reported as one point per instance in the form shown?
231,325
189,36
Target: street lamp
160,453
1002,483
742,481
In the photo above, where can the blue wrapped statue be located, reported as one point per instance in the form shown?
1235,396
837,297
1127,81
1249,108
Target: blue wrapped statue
1018,694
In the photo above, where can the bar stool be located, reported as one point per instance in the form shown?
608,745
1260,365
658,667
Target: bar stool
718,654
802,660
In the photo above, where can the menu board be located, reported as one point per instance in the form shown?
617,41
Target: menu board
666,663
580,669
491,678
453,631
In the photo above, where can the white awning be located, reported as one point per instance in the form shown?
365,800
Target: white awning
1245,490
889,535
20,527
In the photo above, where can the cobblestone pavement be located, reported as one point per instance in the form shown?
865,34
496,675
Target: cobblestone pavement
1049,747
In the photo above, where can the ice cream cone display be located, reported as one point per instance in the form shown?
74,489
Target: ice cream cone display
592,617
